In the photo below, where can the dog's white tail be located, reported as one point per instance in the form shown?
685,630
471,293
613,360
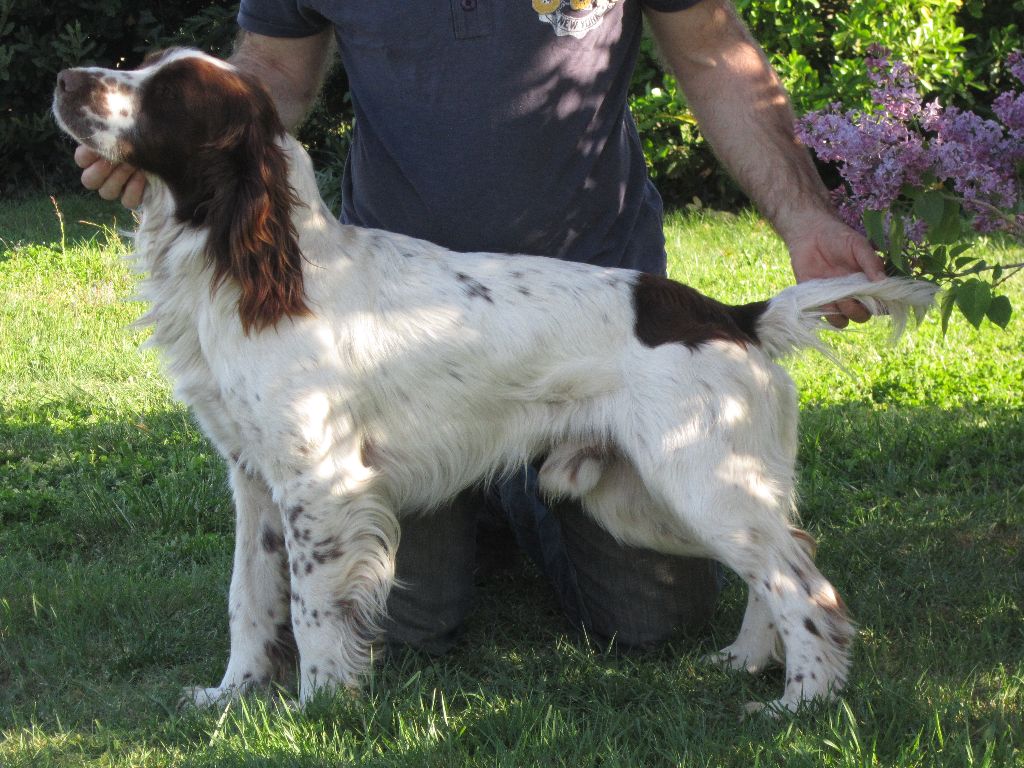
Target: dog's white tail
793,319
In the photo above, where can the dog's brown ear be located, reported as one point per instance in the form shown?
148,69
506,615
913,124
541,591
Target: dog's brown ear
252,240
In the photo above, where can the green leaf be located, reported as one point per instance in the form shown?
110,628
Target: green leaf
874,225
895,247
899,260
934,260
973,298
959,248
999,311
949,226
946,307
930,207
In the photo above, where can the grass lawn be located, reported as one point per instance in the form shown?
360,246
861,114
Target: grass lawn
115,550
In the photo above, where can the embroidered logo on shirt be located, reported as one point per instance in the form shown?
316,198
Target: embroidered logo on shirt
573,17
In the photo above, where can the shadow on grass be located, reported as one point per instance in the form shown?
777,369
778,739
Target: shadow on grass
38,220
114,563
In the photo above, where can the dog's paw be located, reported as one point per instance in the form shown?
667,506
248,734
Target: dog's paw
327,689
772,710
197,697
738,660
789,704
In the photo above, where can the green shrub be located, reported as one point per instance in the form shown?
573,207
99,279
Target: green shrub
817,47
820,58
679,160
995,29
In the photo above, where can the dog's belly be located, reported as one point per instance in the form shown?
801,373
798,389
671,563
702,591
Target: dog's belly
420,466
420,481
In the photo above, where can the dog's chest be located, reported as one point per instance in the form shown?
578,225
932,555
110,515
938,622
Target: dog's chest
200,340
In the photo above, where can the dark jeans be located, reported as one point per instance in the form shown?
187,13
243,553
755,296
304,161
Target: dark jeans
638,597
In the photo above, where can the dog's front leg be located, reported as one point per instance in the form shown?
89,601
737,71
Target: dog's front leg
262,647
341,552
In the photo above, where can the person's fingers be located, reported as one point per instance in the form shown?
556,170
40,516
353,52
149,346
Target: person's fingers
869,261
94,176
841,313
835,318
85,156
133,190
109,180
854,310
113,185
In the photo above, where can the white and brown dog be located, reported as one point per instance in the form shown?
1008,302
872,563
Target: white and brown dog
349,376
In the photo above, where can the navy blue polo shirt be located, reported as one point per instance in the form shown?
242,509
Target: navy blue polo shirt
492,125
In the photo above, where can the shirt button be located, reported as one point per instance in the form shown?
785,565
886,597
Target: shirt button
469,5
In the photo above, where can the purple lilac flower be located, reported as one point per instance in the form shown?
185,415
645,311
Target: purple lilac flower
877,157
895,93
1015,63
975,156
902,142
1009,108
914,229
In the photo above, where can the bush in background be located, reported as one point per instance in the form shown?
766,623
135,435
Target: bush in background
954,47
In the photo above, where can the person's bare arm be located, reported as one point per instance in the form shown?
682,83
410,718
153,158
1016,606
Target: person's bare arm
745,114
292,69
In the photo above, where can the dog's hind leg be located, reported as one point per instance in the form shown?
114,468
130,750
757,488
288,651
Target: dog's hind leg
738,517
758,644
262,647
341,553
812,621
619,501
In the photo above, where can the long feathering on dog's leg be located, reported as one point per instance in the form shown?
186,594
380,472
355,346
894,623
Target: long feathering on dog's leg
793,319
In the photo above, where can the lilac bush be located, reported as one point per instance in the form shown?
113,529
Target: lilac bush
920,179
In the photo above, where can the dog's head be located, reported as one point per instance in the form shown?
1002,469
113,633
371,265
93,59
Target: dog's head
179,110
212,135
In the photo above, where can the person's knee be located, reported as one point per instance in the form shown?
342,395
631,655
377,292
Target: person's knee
643,630
429,626
434,567
637,597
